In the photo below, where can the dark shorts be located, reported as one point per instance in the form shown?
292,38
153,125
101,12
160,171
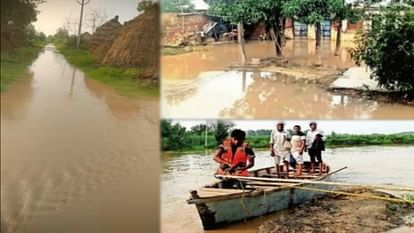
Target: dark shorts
231,184
313,153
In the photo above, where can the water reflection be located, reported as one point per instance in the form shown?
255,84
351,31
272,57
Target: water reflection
75,160
218,57
387,165
263,95
14,103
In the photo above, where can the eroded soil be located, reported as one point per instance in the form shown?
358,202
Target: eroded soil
343,213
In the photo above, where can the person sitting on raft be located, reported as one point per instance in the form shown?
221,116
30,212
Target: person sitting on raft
234,157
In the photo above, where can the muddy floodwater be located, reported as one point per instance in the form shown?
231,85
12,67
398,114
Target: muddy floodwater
182,173
199,85
75,156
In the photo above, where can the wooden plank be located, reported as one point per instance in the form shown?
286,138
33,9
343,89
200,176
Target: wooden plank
226,191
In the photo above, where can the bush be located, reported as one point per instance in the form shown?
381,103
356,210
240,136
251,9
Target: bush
388,49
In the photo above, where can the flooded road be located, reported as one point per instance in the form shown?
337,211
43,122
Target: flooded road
75,156
197,80
182,173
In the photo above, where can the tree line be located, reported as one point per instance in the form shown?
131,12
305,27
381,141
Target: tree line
17,30
175,137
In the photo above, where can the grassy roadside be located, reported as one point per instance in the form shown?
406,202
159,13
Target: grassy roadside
124,81
14,64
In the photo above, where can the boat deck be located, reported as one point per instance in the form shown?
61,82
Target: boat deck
251,187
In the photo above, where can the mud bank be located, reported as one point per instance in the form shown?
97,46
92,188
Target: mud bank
341,213
324,76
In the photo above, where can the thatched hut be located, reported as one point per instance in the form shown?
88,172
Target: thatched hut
103,38
138,44
85,38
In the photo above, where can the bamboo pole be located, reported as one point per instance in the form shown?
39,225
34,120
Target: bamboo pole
298,181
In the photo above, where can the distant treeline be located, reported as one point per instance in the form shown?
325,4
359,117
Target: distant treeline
175,137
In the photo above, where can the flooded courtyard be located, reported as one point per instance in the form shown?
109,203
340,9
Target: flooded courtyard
201,80
75,156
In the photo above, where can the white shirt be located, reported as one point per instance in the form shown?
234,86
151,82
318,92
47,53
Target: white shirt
296,142
310,137
278,139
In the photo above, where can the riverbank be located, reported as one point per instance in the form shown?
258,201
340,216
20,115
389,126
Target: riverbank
342,213
124,80
261,142
14,64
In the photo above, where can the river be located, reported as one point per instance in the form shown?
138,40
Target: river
200,80
76,156
182,173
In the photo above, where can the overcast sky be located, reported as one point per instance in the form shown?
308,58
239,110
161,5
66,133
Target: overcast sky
53,13
350,126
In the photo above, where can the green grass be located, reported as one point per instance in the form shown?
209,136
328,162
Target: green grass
125,81
14,64
409,197
168,51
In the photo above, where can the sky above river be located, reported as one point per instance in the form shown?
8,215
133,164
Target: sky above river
339,126
53,14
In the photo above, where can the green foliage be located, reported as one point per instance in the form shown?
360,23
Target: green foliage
221,130
177,6
16,16
388,48
145,5
200,129
308,11
247,11
174,51
125,81
175,137
15,63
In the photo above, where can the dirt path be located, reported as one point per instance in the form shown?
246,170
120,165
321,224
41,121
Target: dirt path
340,213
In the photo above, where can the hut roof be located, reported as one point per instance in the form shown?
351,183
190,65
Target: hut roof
138,43
101,41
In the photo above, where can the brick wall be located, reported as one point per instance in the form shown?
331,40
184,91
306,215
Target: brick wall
173,26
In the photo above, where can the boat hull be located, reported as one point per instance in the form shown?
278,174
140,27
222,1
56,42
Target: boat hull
217,213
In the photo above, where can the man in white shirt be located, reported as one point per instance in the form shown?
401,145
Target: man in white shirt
314,144
298,145
280,148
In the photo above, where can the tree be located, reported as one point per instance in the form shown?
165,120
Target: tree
344,11
16,16
96,17
311,12
82,3
252,11
221,130
144,5
388,49
176,6
199,129
173,136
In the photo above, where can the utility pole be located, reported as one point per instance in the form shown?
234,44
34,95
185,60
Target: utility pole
82,3
205,140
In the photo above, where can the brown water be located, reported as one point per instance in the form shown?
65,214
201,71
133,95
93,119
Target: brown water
195,85
75,156
233,94
218,57
182,173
